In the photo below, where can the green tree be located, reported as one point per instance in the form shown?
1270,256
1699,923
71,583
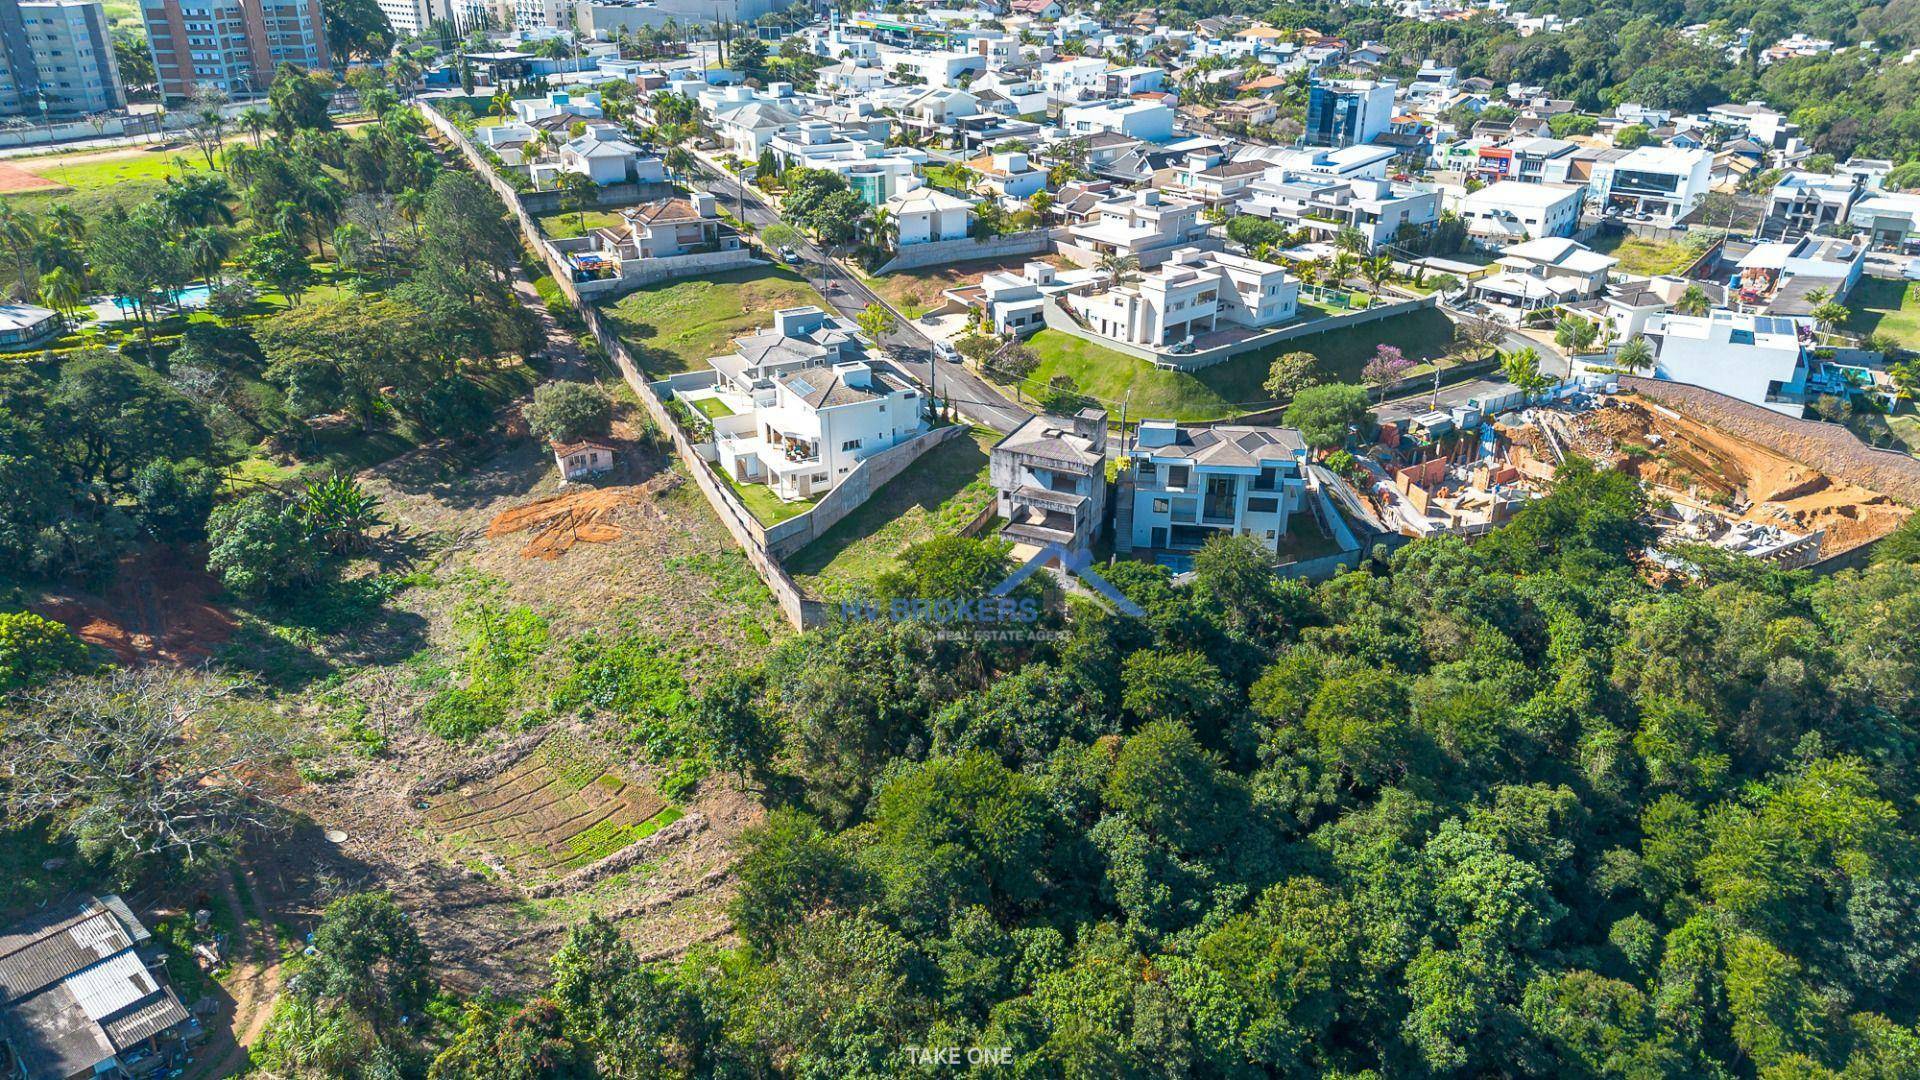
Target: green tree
369,957
1291,373
34,649
259,547
564,411
1328,414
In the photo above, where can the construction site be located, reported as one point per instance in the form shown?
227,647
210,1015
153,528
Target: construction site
1791,492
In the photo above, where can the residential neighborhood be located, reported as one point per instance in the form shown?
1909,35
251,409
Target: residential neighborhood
636,538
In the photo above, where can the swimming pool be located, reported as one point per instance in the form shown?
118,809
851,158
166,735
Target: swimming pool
193,296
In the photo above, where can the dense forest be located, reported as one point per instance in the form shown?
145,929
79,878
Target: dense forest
1501,809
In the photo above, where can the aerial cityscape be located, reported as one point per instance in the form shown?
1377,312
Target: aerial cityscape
629,539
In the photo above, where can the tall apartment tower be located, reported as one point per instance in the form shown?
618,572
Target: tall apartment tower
1347,112
56,60
233,46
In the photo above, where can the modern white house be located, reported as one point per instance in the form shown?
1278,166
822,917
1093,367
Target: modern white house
821,423
1760,359
925,214
1891,219
1509,211
1009,175
603,159
1190,295
24,324
1191,484
1378,209
586,106
800,337
1145,225
1074,78
1659,183
1151,121
1051,476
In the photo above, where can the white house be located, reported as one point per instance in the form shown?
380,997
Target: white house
1659,183
1510,211
1891,219
1760,359
559,103
1143,224
925,214
1010,175
1191,484
1378,209
582,457
23,324
1074,78
822,422
1190,295
1148,120
604,160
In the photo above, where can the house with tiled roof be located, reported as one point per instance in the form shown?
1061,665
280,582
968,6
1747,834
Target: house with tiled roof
1051,476
1184,485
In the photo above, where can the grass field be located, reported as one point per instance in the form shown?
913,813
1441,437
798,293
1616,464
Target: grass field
676,325
567,223
1891,308
937,495
763,504
1235,385
95,185
1644,257
916,292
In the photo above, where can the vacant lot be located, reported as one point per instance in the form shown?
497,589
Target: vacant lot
1889,308
1644,257
938,495
916,292
676,325
1236,385
569,223
559,808
92,181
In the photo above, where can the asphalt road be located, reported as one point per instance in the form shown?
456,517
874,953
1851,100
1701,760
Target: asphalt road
910,349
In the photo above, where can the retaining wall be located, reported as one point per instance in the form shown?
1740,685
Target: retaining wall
789,536
746,530
965,249
1058,318
629,194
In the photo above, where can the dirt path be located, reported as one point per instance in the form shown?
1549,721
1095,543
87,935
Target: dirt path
254,982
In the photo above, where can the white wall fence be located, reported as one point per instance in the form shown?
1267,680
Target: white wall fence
967,248
1059,318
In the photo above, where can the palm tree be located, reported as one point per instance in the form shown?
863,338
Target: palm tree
61,289
410,204
255,122
885,226
208,247
502,103
1818,295
1376,270
18,234
1120,268
1694,301
1635,355
65,221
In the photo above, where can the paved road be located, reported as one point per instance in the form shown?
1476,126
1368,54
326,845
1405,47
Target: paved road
909,346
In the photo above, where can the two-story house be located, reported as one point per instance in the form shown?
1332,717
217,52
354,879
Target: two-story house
1191,295
1378,209
800,337
822,422
1146,225
1051,475
1186,485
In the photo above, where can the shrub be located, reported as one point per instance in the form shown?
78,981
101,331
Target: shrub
564,411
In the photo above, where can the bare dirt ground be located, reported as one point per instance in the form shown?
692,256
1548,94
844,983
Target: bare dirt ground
14,180
158,608
1666,449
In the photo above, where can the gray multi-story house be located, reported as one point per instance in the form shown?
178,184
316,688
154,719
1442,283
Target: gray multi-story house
56,60
1051,473
1190,484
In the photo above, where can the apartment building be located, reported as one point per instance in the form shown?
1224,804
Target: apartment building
1191,295
412,18
1345,112
232,46
56,60
1051,476
1191,484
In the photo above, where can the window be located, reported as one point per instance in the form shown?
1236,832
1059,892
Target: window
1177,475
1144,468
1161,506
850,444
1263,506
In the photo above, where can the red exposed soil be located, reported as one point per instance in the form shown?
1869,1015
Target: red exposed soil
159,607
14,180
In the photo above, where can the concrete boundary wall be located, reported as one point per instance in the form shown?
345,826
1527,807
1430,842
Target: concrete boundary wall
968,249
747,531
789,536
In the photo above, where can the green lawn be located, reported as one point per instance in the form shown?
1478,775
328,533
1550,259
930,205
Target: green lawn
1644,257
1235,385
1891,308
713,407
94,186
936,496
566,224
676,325
762,503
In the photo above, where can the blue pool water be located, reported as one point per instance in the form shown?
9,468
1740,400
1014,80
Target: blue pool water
193,296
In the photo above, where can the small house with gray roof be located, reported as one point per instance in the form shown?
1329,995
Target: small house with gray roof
80,997
1051,475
